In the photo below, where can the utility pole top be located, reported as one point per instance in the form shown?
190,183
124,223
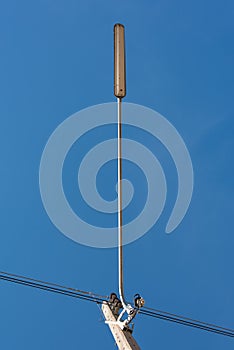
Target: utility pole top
123,338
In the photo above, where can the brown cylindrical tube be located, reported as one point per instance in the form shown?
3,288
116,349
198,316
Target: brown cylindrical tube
119,62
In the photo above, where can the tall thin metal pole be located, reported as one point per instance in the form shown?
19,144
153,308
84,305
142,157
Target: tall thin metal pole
120,201
119,328
120,92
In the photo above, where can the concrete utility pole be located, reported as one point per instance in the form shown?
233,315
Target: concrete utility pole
123,338
120,329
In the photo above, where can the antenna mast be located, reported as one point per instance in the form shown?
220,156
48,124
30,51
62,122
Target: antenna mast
120,92
120,328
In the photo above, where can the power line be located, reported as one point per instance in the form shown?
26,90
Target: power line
197,324
36,281
51,287
89,296
148,309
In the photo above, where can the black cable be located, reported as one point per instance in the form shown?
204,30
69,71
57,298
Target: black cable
79,294
148,309
51,284
197,324
50,288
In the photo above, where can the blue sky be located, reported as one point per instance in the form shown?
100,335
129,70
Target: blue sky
57,58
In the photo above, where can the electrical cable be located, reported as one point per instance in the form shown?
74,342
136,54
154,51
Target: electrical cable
193,323
104,297
89,296
148,309
51,287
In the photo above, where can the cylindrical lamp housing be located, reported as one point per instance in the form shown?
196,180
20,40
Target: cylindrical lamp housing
119,62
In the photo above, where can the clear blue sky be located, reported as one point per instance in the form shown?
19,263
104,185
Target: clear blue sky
57,58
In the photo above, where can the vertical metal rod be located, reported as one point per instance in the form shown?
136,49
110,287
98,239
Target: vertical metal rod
120,92
120,199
